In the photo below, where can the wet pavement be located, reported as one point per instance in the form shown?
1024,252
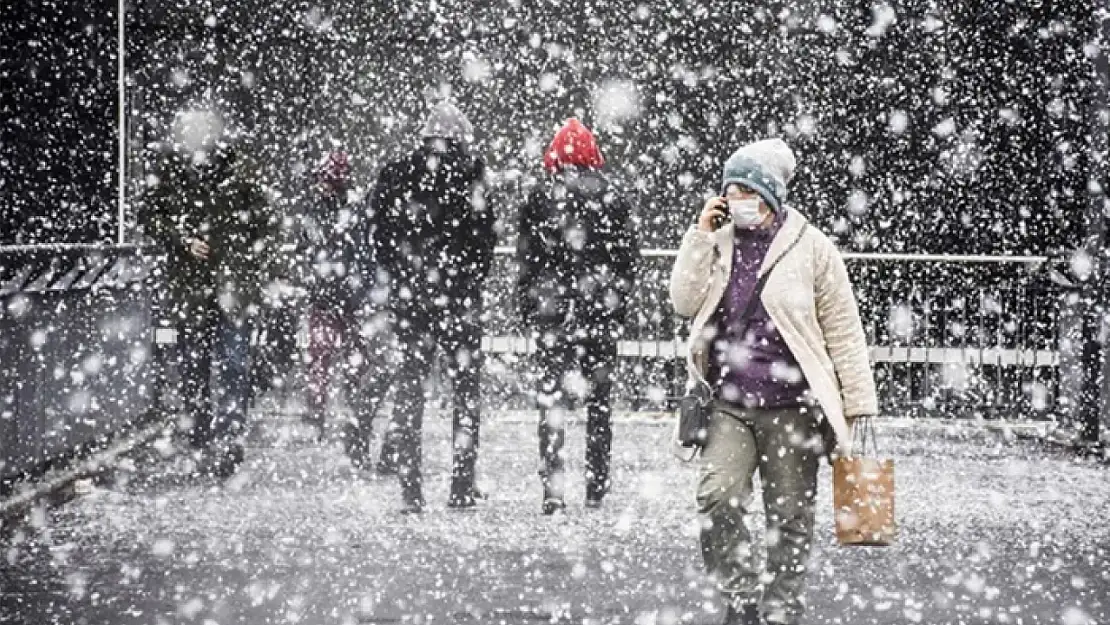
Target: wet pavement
992,531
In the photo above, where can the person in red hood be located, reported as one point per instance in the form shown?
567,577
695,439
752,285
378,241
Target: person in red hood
347,346
576,251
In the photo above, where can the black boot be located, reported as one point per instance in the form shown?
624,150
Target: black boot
747,614
595,492
551,505
413,506
356,444
462,499
227,461
385,466
412,498
387,459
553,496
317,421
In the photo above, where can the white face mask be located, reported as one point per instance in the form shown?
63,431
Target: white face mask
745,213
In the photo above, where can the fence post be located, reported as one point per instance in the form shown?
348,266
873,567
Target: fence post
1102,417
1096,352
1092,399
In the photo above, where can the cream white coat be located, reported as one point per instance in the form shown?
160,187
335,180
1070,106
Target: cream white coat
810,300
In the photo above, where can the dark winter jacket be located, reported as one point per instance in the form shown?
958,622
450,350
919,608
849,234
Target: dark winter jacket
577,252
221,202
433,232
334,248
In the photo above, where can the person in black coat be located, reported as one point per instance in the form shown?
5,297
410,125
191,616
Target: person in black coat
206,206
576,250
433,241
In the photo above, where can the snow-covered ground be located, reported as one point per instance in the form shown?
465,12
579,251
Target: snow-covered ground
993,530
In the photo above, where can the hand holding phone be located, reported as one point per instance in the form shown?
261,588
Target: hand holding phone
713,215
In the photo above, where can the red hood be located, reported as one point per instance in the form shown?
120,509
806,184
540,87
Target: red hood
574,144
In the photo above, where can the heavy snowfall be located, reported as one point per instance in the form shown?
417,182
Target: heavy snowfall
503,312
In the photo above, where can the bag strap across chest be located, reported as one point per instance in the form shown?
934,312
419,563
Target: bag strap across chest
757,292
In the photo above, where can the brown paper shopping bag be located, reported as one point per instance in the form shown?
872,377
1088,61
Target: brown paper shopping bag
863,493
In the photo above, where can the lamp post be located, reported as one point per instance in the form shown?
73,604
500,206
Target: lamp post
121,77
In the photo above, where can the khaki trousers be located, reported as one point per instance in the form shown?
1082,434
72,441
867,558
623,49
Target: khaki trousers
785,446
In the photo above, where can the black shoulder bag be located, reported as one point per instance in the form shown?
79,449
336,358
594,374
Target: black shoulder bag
696,408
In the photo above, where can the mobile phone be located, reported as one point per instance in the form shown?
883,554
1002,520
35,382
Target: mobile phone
720,220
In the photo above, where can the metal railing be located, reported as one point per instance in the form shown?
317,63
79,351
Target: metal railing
949,335
969,337
75,353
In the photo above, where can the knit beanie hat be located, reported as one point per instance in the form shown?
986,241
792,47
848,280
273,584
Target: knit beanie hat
574,144
446,121
765,167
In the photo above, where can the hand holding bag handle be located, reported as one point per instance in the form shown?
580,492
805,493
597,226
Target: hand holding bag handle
862,430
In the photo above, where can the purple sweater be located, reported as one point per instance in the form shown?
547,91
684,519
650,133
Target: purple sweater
758,369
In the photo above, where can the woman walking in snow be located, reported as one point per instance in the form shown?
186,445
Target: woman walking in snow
796,367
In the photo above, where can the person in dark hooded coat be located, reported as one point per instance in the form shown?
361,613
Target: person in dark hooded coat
433,241
576,250
205,206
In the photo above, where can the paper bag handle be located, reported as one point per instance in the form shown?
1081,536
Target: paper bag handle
863,430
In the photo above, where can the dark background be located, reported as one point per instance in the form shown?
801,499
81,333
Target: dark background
57,121
996,98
